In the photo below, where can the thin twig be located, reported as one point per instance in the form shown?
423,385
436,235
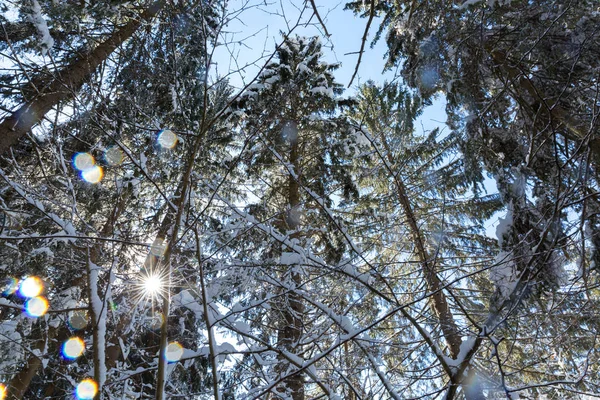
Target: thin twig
314,7
364,41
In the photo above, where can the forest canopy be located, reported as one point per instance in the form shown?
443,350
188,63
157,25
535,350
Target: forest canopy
195,207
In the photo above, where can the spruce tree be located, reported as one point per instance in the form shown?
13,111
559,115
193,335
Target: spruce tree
519,81
293,112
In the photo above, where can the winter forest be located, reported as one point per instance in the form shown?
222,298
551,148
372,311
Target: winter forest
208,199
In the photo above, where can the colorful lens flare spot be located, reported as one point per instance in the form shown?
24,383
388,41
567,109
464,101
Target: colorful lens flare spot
174,352
114,156
90,172
83,161
3,391
9,286
78,319
73,348
31,287
93,174
86,390
167,139
36,307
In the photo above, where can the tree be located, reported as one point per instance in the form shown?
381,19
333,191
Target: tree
438,241
64,83
108,131
291,109
519,78
165,235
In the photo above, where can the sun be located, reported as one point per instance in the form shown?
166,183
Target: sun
153,285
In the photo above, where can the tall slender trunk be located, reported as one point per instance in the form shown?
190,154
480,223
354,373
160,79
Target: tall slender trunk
97,310
208,320
434,284
169,230
293,309
67,82
439,303
21,381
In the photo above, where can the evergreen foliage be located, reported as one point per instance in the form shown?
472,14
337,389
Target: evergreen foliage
164,234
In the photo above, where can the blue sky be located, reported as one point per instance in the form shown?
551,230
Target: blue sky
255,32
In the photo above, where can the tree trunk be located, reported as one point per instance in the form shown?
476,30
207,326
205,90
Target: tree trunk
67,82
439,303
169,230
20,382
293,308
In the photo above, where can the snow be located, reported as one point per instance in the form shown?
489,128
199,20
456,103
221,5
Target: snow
42,250
291,258
466,347
304,69
504,274
9,354
143,160
272,80
99,308
322,90
468,3
185,299
40,23
174,101
504,225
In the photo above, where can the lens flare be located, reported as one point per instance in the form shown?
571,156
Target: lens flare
114,156
86,164
174,352
290,132
73,348
167,139
78,319
3,391
9,286
152,285
31,287
86,390
36,307
83,161
93,174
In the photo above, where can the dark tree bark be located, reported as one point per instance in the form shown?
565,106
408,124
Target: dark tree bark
67,82
291,332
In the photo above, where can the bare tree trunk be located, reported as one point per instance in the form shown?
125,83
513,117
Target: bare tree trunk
439,303
293,308
98,317
20,382
169,230
209,322
67,81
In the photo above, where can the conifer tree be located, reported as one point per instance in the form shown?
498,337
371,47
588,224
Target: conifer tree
298,153
114,128
519,81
